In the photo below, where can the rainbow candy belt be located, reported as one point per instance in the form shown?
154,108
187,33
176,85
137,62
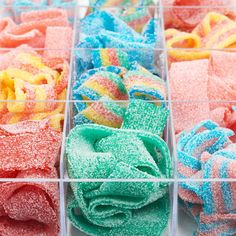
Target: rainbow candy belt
111,87
119,35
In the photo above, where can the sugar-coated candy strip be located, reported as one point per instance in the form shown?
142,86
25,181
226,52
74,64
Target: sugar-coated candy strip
103,156
186,15
144,85
55,48
103,112
22,148
30,208
110,57
116,35
207,152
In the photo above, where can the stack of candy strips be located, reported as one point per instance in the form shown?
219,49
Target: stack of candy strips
110,87
26,77
29,149
215,31
34,68
207,152
134,151
17,7
213,83
38,29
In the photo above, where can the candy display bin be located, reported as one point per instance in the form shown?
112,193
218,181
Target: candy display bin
104,180
205,172
182,190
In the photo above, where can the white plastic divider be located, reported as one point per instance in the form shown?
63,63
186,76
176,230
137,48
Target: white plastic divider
175,187
63,216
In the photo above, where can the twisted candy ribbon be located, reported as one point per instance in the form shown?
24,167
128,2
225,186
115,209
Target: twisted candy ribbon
29,209
215,31
207,152
37,29
134,151
115,83
26,141
116,34
27,76
136,13
103,112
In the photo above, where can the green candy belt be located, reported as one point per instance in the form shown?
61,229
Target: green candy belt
132,152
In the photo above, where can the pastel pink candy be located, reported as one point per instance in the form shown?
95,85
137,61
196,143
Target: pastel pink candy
6,24
29,209
208,85
55,48
186,18
222,74
188,81
55,17
32,29
7,57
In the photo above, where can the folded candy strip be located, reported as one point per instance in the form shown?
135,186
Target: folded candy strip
120,208
215,31
33,30
96,33
29,144
103,112
118,85
211,80
29,149
141,83
207,152
29,209
137,18
135,13
110,56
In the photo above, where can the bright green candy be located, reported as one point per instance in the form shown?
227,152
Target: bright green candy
145,116
119,208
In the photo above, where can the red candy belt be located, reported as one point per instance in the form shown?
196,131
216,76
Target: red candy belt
29,149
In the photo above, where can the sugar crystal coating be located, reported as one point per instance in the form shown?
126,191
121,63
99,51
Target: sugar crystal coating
211,80
27,76
208,34
29,149
117,34
117,84
207,152
130,152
